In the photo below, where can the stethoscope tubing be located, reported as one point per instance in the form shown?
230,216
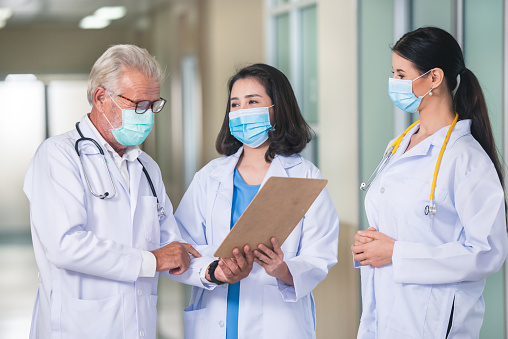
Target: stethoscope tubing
107,195
431,208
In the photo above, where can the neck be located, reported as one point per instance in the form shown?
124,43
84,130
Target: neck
255,157
436,116
105,132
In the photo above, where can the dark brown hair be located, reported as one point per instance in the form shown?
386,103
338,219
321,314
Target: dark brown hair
291,133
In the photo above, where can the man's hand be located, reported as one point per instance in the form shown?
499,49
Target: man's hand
174,257
232,270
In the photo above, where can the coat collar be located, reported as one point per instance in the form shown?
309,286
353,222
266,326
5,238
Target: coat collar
223,170
462,128
89,131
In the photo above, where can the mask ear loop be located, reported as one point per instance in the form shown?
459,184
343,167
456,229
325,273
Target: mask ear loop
105,114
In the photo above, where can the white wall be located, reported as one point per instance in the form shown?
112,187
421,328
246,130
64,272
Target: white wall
337,297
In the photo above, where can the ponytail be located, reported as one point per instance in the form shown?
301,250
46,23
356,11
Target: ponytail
469,103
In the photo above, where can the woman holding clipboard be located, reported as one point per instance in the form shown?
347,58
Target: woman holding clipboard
264,293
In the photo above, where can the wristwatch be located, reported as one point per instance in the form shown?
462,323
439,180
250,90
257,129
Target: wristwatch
211,272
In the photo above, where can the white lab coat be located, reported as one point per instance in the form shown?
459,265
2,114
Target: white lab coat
439,260
88,249
269,308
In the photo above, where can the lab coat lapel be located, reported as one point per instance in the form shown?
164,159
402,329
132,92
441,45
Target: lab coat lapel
135,173
114,171
280,164
223,199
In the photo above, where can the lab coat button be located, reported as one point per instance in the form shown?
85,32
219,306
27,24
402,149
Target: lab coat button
140,292
382,190
221,323
142,334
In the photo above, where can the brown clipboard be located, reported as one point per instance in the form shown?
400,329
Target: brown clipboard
275,211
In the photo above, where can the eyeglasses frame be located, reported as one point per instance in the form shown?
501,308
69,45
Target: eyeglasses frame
150,106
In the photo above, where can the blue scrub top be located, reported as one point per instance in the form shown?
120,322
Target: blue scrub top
242,196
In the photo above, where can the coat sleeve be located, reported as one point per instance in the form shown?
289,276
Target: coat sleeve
58,216
318,248
480,206
191,219
170,232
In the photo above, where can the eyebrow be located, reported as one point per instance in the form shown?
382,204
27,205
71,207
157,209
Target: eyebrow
401,70
248,96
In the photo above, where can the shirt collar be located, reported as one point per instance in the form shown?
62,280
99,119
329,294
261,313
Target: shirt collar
130,153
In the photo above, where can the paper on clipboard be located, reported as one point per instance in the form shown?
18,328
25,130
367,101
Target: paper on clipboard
275,211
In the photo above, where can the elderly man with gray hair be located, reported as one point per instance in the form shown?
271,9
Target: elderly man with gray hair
102,224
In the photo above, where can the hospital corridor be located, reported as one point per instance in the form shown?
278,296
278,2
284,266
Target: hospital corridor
342,61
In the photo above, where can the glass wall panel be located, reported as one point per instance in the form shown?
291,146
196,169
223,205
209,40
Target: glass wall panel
376,108
309,101
282,44
483,49
22,129
67,104
432,13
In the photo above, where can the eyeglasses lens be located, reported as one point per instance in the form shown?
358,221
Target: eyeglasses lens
158,105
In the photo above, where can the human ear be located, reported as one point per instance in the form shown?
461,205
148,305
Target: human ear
437,76
99,96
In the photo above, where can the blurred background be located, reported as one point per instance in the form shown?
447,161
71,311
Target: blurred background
336,54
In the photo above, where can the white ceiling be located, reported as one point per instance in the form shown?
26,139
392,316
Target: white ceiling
70,12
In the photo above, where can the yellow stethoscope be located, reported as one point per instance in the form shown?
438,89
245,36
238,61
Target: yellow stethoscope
431,207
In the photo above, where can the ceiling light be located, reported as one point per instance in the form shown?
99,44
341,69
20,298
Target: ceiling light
111,12
93,22
5,13
20,77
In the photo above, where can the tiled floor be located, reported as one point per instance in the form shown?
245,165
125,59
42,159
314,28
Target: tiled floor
18,286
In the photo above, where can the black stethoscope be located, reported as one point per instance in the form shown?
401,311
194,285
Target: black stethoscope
107,195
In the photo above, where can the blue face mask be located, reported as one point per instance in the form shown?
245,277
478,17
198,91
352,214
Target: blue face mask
250,126
401,93
135,127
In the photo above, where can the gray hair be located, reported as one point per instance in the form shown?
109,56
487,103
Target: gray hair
109,68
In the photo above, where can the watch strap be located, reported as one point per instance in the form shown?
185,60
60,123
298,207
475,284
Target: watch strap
211,272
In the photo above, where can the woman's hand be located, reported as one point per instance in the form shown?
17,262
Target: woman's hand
361,239
273,262
232,270
373,248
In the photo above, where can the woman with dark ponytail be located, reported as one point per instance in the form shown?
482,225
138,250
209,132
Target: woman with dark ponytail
436,206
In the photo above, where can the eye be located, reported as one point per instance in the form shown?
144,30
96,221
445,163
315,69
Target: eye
252,102
234,104
398,75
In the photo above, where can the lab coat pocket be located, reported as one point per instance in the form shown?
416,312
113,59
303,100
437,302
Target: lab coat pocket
416,201
150,221
286,319
195,323
98,319
408,314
